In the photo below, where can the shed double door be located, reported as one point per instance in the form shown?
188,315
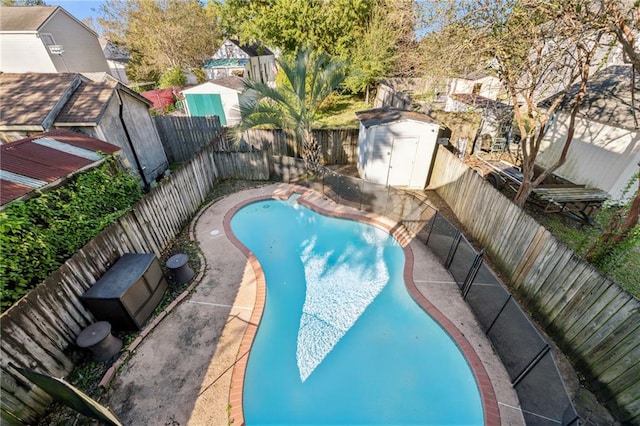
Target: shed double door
402,157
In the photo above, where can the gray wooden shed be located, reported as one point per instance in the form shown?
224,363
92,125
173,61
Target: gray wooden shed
396,147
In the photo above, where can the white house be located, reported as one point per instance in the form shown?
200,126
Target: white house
479,85
605,150
47,39
253,62
396,147
117,59
220,97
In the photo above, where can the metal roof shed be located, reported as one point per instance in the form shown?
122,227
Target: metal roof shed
396,147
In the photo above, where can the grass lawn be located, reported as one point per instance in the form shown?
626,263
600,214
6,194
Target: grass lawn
339,111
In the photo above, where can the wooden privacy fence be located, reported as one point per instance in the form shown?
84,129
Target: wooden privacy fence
182,137
339,146
594,321
39,329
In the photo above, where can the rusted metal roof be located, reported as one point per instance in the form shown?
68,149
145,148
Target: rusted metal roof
37,161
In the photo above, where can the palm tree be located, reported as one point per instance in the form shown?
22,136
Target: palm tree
293,106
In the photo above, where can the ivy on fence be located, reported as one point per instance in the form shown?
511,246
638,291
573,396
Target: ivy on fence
38,235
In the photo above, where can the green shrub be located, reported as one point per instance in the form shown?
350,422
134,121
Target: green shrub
38,235
174,76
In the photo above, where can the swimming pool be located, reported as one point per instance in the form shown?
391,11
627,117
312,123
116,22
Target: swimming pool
341,341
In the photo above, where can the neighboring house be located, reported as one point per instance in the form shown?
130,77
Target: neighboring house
47,39
107,110
220,97
253,62
485,86
396,147
46,160
605,150
117,59
496,120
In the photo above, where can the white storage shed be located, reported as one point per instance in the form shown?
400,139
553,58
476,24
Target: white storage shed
396,147
219,97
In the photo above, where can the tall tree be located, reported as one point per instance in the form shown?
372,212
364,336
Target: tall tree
537,49
374,56
293,105
327,26
160,34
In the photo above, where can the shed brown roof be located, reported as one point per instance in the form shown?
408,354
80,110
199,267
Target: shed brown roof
24,18
376,116
87,103
30,99
232,82
32,163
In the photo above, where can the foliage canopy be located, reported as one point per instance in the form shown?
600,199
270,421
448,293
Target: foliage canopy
38,235
308,79
161,34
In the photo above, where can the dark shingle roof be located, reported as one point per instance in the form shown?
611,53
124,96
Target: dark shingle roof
231,82
32,100
388,115
608,98
87,103
29,99
252,49
24,18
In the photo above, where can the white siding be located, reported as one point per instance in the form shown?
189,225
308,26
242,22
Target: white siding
230,99
407,145
231,106
600,156
24,52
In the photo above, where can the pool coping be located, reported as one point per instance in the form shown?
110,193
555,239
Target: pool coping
313,200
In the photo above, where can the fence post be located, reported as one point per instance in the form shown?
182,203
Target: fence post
473,272
452,249
546,348
433,222
495,319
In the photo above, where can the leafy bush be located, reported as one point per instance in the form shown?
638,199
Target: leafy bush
38,235
174,76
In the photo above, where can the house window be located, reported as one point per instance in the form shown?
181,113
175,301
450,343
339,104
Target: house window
47,39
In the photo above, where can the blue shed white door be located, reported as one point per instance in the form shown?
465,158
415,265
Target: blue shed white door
202,105
403,153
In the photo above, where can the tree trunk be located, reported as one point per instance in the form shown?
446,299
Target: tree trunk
311,152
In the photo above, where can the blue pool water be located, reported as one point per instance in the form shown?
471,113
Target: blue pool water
341,341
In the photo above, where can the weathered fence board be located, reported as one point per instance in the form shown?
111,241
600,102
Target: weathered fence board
591,318
338,146
38,330
184,136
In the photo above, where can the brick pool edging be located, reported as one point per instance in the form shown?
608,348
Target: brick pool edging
311,200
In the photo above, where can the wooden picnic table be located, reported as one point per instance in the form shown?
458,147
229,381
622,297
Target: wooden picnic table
577,200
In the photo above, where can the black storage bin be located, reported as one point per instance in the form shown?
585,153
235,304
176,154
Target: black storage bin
128,292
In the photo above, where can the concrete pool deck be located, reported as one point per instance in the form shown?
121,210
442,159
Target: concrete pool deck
183,371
